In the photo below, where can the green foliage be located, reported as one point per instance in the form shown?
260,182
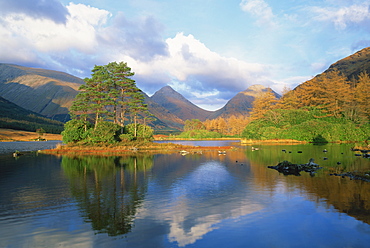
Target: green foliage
75,131
15,117
105,132
143,132
309,125
199,134
126,137
193,124
109,94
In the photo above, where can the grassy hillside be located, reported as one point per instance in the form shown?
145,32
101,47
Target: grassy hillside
14,117
46,92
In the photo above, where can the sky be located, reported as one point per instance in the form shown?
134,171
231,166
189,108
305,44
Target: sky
207,50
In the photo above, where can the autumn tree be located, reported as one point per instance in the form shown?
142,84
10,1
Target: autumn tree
194,124
264,102
329,91
289,99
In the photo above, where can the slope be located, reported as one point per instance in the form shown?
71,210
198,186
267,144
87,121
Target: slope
241,103
354,64
15,117
178,105
49,93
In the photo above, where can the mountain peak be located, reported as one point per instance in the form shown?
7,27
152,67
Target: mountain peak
168,91
178,105
256,87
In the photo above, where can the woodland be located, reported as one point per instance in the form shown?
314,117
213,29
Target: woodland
327,108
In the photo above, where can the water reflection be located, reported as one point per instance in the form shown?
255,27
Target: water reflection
348,196
197,200
108,189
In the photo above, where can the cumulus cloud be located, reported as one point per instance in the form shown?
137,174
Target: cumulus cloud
92,36
139,39
39,9
89,36
343,17
258,9
199,73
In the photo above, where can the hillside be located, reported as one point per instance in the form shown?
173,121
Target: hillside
165,120
50,93
354,64
15,117
178,105
46,92
241,103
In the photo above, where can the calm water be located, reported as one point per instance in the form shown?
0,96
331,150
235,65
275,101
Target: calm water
10,147
197,200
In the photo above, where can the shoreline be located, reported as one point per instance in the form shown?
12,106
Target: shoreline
153,148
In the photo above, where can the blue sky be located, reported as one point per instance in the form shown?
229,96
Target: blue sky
208,50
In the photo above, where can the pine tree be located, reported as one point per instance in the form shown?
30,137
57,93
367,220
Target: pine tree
123,90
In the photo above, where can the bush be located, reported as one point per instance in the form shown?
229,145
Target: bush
143,132
74,131
304,125
105,132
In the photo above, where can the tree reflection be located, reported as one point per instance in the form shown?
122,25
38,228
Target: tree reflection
108,189
348,196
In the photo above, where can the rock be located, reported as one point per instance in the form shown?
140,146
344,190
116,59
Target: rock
288,168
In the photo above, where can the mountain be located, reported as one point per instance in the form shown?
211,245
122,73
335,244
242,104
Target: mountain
49,93
241,103
178,105
165,120
14,117
354,64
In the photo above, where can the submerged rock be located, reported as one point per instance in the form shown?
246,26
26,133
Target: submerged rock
288,168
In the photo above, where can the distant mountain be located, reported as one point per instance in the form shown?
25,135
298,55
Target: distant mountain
165,120
49,93
241,104
354,64
178,105
14,117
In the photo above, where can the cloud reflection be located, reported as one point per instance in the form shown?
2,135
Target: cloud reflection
194,207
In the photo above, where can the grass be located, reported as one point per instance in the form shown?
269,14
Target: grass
18,135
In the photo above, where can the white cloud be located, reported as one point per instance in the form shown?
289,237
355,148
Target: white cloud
93,36
357,14
32,39
190,61
260,10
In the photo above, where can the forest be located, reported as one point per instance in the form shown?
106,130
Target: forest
327,108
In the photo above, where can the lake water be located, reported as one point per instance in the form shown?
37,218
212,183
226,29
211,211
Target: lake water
197,200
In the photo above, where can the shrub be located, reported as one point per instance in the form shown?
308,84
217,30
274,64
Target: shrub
143,132
75,131
105,132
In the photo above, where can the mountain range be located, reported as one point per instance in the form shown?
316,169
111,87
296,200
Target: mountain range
51,93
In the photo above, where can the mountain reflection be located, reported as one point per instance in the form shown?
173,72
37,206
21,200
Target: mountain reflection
184,198
108,189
